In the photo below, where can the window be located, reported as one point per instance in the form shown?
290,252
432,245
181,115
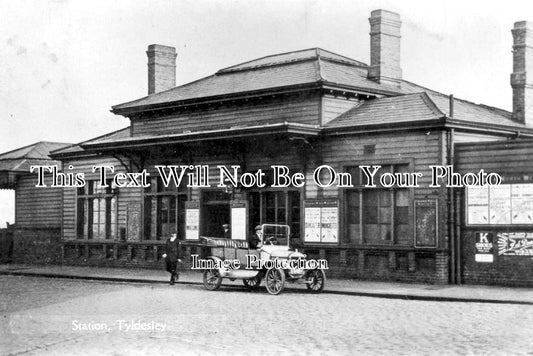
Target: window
276,207
164,210
377,215
97,211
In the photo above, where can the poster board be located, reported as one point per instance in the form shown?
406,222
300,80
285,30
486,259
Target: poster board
515,243
477,205
321,219
239,219
500,204
425,223
133,222
484,247
506,204
522,204
192,220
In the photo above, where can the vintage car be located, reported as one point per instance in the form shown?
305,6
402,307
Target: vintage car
273,261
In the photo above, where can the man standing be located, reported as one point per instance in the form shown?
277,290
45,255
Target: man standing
256,241
171,256
227,233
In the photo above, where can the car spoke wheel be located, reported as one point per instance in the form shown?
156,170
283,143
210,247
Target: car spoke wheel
212,279
275,280
252,283
316,279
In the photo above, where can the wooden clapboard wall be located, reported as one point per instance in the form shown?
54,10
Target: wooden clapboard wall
126,196
37,207
420,148
296,108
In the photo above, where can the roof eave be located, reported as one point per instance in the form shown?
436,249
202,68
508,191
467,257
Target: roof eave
215,98
489,128
223,134
442,123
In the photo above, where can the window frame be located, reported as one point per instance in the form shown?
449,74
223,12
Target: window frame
88,197
155,193
347,240
288,208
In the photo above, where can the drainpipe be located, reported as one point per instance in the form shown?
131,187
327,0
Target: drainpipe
458,245
454,238
451,212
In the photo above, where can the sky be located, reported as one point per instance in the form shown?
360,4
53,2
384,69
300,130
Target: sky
64,63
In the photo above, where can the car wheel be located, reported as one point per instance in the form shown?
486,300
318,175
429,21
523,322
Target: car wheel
275,280
252,283
316,279
212,279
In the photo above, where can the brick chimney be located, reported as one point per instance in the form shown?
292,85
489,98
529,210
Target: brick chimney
385,47
161,68
522,76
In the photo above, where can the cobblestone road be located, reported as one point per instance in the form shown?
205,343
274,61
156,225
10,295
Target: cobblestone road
50,316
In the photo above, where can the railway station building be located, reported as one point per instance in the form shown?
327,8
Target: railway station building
304,110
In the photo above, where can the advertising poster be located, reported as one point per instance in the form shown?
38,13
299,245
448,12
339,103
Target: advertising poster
484,247
478,205
522,203
500,204
238,220
312,224
321,221
329,224
515,244
192,220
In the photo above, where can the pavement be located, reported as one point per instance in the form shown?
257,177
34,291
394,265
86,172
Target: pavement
392,290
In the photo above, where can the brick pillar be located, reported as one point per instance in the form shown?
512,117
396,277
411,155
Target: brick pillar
441,268
522,76
412,261
392,260
361,261
322,254
344,257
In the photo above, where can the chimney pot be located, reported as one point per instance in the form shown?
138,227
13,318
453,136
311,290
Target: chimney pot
161,68
385,47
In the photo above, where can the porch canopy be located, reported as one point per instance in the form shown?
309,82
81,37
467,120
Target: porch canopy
230,140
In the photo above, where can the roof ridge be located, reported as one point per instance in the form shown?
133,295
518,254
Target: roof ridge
431,104
18,149
229,69
346,59
318,53
320,77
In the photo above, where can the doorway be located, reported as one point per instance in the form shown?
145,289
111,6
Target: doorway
215,211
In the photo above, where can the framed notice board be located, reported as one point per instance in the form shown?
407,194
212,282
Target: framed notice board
192,220
239,219
426,223
133,222
321,218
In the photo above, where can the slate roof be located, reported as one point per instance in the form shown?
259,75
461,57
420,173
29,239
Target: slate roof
76,148
403,108
21,159
310,66
418,106
321,67
408,102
